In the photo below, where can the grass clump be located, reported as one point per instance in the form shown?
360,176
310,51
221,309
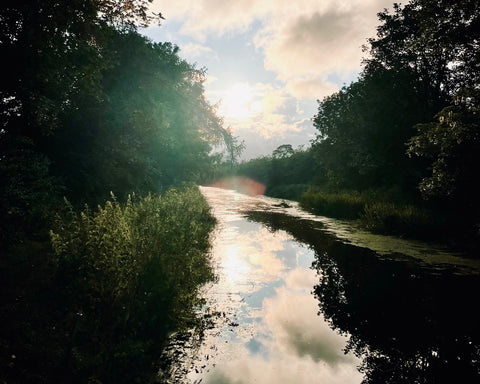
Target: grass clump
287,191
378,211
401,220
344,205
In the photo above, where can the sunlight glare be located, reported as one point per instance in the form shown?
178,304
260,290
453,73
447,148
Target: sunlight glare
239,103
234,267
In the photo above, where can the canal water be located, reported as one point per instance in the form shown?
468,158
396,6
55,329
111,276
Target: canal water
307,299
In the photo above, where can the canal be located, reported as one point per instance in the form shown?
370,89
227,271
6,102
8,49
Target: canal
307,299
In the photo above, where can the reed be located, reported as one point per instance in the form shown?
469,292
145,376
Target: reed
377,211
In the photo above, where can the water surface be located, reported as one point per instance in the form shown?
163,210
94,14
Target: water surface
306,299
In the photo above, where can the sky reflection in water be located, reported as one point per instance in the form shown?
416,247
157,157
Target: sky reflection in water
274,333
407,308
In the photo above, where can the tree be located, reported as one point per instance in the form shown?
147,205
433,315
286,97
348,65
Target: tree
452,144
153,129
88,106
56,58
283,151
423,53
108,109
55,50
362,128
234,146
437,40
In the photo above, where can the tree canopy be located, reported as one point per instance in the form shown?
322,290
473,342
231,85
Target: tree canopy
452,144
90,109
95,107
424,53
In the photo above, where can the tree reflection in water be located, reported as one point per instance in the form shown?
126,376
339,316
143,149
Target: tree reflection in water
408,324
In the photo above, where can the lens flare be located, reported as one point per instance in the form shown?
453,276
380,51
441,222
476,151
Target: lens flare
242,184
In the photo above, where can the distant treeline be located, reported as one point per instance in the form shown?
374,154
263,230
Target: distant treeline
90,107
405,136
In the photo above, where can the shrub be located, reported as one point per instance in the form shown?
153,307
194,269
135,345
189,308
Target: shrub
130,274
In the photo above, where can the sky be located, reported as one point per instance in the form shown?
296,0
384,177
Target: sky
269,61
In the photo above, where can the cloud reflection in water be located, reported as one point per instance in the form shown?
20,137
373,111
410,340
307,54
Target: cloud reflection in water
265,285
295,344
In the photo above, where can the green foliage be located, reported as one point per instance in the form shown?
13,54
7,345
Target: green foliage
453,145
283,151
362,130
402,220
424,53
64,42
153,128
380,211
130,273
104,107
28,195
99,306
89,106
437,40
288,191
234,147
345,205
286,174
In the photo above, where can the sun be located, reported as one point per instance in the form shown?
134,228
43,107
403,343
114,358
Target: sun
239,102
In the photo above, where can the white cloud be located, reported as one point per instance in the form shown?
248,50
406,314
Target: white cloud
292,317
201,18
264,110
194,50
303,42
310,46
306,47
310,87
275,119
299,347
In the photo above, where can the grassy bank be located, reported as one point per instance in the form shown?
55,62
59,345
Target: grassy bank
287,191
98,303
343,205
375,211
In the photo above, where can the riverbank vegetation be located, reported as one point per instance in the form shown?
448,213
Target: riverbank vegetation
99,305
90,108
399,147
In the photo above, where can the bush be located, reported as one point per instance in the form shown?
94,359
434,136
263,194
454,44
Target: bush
128,276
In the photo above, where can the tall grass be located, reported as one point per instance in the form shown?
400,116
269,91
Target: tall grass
378,211
401,220
129,275
345,205
287,191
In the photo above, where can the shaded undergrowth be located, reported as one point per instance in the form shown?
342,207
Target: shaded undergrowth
104,296
379,212
287,191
